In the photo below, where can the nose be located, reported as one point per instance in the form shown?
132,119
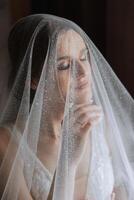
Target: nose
80,69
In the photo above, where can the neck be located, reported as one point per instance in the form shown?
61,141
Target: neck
51,127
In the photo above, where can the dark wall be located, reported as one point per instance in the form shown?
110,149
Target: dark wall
90,15
109,23
120,40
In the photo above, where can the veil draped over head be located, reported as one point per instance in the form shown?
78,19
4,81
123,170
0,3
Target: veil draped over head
45,90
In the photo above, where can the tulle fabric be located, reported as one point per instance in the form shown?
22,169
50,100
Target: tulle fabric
110,159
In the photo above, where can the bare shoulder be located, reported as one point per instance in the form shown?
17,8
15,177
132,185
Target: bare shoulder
4,140
5,136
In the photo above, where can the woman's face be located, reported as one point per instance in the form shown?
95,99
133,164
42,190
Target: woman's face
73,69
73,66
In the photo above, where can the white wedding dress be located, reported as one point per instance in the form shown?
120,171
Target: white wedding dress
41,183
38,100
42,178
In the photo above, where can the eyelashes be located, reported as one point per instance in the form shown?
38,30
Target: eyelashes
63,66
66,64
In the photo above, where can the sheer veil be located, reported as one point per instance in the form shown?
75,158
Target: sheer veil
108,155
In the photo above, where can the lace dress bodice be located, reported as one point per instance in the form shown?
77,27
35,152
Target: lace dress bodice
42,178
41,182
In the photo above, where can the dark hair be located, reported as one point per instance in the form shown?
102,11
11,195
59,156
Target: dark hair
18,41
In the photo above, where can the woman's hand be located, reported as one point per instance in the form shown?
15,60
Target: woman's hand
85,116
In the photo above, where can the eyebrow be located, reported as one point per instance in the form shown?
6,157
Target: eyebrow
67,57
63,58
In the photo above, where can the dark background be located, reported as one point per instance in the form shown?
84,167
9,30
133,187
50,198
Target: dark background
109,23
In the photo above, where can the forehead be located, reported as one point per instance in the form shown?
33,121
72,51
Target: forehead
70,43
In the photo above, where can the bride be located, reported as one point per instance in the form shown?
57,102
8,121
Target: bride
67,128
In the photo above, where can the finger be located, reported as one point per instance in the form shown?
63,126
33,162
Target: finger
89,120
87,111
88,125
92,121
85,106
82,117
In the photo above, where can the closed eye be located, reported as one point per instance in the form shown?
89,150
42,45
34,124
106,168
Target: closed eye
84,56
63,66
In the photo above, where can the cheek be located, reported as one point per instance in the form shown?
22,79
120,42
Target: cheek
89,73
63,77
